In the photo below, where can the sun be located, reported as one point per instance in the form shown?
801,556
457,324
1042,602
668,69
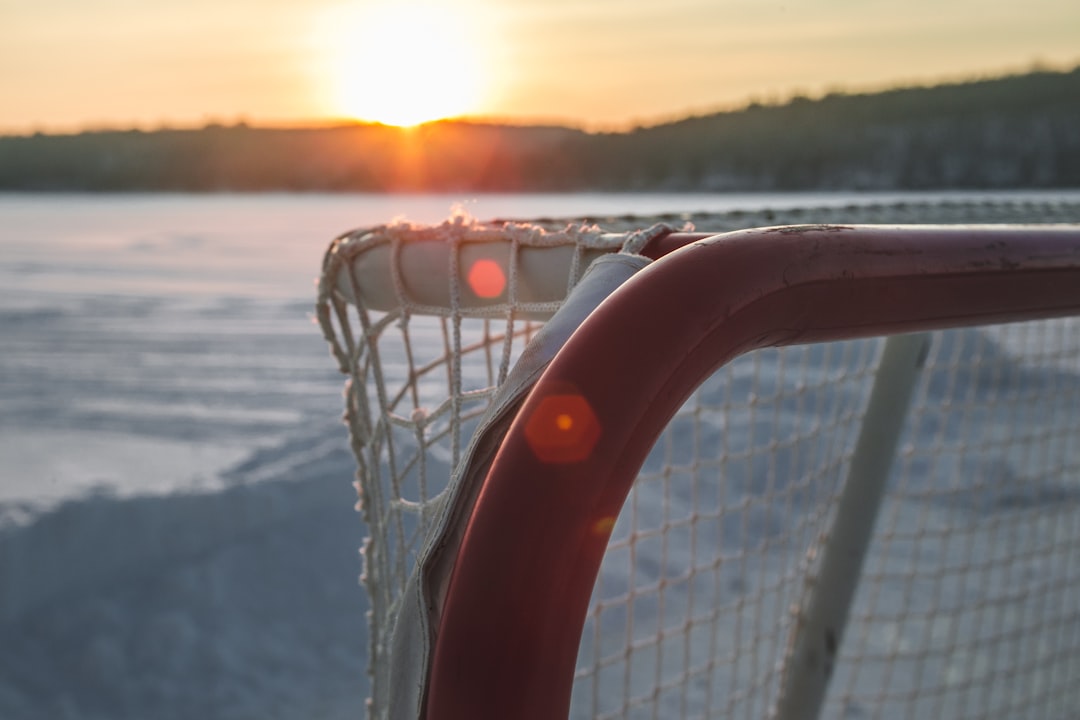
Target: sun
403,63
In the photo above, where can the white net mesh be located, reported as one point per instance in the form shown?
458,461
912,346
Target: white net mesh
422,374
970,602
709,551
969,605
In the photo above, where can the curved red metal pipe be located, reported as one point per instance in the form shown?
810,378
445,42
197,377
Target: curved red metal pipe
508,637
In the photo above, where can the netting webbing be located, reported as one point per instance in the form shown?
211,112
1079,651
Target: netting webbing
969,604
710,551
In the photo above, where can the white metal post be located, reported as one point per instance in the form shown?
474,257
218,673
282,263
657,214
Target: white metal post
820,620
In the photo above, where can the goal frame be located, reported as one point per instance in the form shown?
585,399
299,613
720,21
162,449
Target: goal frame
507,637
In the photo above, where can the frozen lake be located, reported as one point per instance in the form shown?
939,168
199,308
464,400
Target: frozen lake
151,342
177,536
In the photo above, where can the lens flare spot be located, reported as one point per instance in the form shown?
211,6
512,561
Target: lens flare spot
486,279
562,429
603,526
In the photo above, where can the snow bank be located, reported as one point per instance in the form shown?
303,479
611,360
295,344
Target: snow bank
241,603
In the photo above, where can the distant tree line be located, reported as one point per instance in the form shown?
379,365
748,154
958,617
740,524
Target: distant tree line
1019,131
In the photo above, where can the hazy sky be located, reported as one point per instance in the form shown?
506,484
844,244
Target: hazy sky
67,64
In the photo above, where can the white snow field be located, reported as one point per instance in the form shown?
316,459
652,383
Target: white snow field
177,532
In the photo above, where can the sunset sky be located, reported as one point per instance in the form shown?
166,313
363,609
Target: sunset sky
72,64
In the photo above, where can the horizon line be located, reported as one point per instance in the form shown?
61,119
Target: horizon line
241,120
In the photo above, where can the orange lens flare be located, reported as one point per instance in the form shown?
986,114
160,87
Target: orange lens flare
562,429
486,279
603,526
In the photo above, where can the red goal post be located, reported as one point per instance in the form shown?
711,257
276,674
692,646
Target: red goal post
507,637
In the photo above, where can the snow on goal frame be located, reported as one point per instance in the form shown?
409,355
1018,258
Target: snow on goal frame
681,495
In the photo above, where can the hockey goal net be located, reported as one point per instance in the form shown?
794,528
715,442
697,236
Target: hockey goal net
766,510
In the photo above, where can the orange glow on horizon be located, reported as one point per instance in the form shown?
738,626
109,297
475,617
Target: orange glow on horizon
402,64
595,66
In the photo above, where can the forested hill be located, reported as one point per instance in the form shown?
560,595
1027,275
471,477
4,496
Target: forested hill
1019,131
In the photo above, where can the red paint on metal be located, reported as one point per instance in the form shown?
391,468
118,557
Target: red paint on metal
661,245
507,640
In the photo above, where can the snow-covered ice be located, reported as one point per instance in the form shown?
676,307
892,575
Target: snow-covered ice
177,537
